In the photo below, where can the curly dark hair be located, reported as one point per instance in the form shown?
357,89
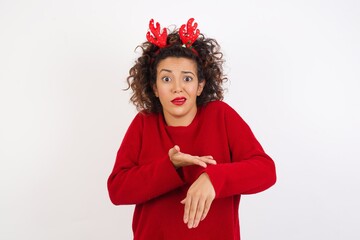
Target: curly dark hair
204,51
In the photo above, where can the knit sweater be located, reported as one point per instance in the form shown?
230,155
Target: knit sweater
144,175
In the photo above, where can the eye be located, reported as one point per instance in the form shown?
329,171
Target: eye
166,79
188,79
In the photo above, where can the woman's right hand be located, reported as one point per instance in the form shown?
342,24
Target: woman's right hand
180,159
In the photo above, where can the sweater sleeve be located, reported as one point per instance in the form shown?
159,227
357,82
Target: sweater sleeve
132,182
250,171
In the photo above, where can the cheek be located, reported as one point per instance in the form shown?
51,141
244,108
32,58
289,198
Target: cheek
196,90
161,92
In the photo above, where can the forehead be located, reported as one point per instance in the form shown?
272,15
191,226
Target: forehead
177,64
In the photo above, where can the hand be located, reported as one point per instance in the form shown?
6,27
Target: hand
198,201
180,159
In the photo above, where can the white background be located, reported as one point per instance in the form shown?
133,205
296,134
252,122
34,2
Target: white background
294,76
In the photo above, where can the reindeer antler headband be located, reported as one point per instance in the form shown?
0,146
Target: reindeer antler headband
157,38
188,34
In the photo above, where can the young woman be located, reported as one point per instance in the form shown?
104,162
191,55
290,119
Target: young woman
187,156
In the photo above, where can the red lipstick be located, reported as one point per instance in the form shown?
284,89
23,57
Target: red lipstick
178,101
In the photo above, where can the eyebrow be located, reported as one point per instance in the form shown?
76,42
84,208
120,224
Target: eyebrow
185,72
188,72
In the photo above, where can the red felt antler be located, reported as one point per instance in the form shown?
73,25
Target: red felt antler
157,38
189,36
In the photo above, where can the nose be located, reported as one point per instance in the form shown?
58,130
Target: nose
177,86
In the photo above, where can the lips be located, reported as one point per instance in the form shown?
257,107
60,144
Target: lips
178,101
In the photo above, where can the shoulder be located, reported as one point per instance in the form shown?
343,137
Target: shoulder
141,123
219,107
222,112
142,119
145,116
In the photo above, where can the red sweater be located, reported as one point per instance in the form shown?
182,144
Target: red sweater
144,175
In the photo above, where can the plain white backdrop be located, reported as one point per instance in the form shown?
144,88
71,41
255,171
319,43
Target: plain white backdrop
294,76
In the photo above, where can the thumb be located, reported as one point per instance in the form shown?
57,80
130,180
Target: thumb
174,150
177,148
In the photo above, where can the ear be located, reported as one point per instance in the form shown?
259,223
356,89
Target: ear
155,90
201,87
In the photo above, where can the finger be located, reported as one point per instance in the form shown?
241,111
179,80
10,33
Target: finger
172,151
192,212
199,213
206,209
177,148
201,163
197,161
208,160
187,202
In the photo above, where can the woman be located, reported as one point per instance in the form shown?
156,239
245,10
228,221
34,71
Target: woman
187,156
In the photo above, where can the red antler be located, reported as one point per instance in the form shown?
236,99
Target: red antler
156,38
189,36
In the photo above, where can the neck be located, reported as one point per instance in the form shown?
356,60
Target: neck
179,121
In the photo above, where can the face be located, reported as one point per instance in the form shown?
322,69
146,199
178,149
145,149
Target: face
177,87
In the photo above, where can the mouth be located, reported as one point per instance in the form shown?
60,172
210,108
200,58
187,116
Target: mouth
179,101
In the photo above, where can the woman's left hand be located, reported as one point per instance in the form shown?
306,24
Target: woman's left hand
198,201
